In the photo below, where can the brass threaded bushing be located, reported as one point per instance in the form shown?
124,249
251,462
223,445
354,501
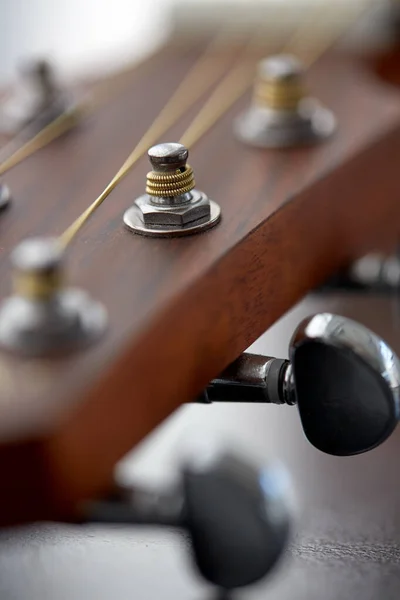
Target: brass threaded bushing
279,83
171,176
38,268
170,184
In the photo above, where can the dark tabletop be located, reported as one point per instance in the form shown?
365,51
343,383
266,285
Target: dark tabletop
346,542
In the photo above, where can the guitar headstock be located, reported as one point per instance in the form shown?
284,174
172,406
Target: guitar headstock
180,309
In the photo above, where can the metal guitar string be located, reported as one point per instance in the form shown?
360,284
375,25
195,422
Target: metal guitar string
52,131
66,121
18,149
228,91
235,84
188,92
55,129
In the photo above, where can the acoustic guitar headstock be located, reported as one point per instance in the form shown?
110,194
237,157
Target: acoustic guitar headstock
162,315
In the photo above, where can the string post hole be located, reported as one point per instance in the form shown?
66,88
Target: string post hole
282,114
172,206
43,315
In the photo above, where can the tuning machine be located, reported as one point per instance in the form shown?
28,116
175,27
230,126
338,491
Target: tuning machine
344,379
38,101
43,317
237,515
281,113
172,206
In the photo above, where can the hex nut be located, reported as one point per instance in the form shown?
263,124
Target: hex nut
178,215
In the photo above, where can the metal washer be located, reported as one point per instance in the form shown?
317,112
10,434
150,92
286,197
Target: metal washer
133,222
26,328
267,128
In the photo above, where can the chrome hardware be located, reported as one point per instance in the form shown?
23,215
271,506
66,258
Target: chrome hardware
172,205
281,113
42,316
39,101
344,379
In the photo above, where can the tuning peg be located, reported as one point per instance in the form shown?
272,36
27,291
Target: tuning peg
344,379
38,101
44,316
237,516
172,205
281,113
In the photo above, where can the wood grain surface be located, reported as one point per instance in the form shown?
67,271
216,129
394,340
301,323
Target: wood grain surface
180,310
346,541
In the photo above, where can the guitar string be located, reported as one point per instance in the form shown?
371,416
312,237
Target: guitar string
230,89
62,124
25,143
236,83
183,98
349,16
69,119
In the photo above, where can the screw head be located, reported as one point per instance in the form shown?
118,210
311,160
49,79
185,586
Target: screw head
168,156
38,255
282,67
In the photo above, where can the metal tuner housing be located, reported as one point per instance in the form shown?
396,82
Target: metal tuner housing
344,379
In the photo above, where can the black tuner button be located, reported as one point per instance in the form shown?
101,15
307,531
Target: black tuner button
238,519
236,516
346,382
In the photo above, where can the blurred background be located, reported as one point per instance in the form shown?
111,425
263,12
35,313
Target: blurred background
97,36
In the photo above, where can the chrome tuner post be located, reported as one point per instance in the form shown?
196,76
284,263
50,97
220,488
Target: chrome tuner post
43,317
237,516
344,379
172,206
39,101
281,113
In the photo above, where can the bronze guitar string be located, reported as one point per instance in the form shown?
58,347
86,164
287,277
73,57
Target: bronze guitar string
229,90
188,92
68,120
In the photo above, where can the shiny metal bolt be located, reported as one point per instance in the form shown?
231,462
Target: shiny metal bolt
282,67
172,206
168,157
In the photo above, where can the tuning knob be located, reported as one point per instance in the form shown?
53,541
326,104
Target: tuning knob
237,516
344,379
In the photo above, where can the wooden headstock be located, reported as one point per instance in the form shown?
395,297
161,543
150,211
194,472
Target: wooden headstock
180,309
